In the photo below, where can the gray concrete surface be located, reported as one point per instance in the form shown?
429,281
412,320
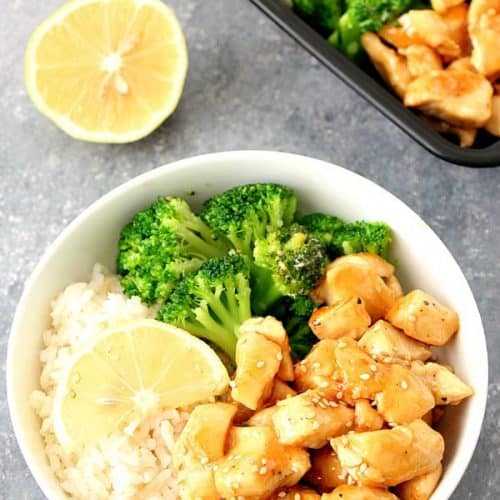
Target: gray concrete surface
249,86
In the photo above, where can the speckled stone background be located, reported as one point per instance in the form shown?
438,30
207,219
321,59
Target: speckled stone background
249,86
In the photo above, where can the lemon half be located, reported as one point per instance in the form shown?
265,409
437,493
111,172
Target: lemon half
129,373
107,70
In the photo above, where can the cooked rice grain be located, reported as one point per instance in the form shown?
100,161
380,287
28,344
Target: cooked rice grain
136,463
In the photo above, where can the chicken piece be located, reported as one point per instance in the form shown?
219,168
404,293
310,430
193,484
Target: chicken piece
347,318
366,418
396,36
296,493
256,464
441,6
466,136
317,370
390,65
263,417
200,444
445,386
493,124
390,456
420,59
360,275
404,398
478,8
455,19
326,472
432,29
462,64
462,98
309,420
272,329
362,377
351,492
422,317
280,391
420,487
257,362
485,38
387,344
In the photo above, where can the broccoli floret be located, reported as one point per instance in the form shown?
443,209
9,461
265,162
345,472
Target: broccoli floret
247,213
362,236
322,14
160,245
323,227
344,238
288,263
295,314
212,302
366,15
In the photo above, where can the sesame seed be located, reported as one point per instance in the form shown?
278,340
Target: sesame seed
339,395
350,481
323,384
316,365
264,461
315,425
204,460
341,344
232,384
373,368
282,494
260,364
316,322
404,385
363,467
296,496
279,356
364,376
262,471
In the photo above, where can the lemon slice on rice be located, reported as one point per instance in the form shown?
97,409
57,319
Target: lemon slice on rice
107,70
129,373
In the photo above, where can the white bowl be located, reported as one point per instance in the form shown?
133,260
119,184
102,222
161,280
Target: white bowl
423,262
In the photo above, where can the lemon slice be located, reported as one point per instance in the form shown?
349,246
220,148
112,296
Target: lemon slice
129,373
107,70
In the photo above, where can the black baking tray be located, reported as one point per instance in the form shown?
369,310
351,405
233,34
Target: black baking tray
365,81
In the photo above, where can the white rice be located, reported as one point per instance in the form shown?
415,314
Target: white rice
135,463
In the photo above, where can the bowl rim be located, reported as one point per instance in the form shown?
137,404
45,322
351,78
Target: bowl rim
194,162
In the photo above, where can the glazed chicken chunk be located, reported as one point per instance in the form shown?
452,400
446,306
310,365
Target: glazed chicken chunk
256,464
462,98
423,318
199,446
441,6
493,124
420,487
432,29
310,420
325,473
390,456
420,59
391,66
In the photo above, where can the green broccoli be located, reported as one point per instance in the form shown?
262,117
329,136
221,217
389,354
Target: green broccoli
212,302
160,245
295,314
321,14
288,263
366,15
344,238
247,213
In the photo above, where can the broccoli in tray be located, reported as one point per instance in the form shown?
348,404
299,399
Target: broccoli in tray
248,253
343,22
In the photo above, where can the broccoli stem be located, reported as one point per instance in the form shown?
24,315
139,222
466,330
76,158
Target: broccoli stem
199,245
214,332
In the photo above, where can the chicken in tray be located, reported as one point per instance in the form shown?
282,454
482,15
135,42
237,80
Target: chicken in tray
444,62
